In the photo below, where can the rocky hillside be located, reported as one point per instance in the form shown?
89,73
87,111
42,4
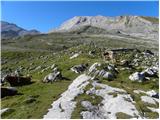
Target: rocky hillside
83,71
129,25
10,30
84,84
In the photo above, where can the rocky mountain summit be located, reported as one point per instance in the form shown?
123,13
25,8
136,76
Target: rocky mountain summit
129,25
10,30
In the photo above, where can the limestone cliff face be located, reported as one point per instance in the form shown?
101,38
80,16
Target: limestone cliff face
131,25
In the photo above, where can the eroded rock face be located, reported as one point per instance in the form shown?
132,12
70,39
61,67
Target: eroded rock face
129,25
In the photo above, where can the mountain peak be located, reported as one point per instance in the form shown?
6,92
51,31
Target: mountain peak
131,25
11,30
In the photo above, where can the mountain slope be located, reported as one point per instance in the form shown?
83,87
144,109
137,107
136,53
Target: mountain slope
9,30
130,25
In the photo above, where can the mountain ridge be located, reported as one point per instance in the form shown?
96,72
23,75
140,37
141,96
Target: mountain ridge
131,25
11,30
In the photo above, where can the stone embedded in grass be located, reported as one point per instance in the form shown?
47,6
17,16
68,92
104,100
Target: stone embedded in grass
6,111
92,52
55,75
53,66
137,77
79,68
153,93
150,72
75,55
108,76
37,68
154,109
149,100
93,68
8,91
30,99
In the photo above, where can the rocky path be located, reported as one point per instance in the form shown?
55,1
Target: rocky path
64,106
109,106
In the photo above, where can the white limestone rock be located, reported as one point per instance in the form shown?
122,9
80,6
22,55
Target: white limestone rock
137,77
74,56
64,106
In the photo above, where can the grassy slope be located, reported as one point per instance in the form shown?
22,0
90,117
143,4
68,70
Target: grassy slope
60,41
49,92
152,19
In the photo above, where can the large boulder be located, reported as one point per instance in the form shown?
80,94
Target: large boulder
93,68
153,93
137,77
102,72
18,80
55,75
9,91
150,72
125,63
112,68
79,68
108,76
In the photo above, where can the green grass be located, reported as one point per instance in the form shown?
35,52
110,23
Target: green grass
152,19
47,94
114,94
121,115
79,108
94,99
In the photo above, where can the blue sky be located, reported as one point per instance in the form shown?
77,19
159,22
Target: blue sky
45,16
